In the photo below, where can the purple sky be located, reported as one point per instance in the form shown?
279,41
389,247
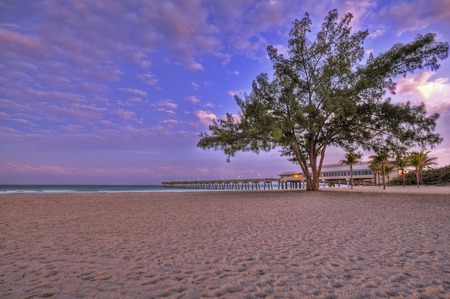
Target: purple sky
116,92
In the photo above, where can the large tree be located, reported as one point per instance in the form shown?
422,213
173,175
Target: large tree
324,93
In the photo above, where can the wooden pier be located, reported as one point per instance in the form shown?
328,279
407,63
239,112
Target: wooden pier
240,184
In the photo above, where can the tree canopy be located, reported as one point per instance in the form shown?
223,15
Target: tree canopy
326,93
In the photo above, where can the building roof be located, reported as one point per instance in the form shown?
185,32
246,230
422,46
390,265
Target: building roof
289,173
364,165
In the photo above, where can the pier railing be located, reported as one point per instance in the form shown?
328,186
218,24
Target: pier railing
239,184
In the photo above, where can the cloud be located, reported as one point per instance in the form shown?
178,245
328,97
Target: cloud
199,86
195,86
72,171
125,115
420,88
134,92
171,122
282,49
22,45
23,121
193,99
73,128
377,32
195,66
233,93
148,79
205,117
104,73
405,16
40,169
165,106
141,60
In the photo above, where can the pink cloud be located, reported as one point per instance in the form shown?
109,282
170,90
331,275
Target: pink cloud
106,122
149,79
165,106
421,88
40,169
134,92
420,14
23,121
124,114
193,99
8,130
205,117
233,93
195,66
201,85
105,73
72,171
21,44
141,60
73,128
195,86
171,122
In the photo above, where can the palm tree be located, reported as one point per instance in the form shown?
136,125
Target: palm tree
401,164
351,159
420,160
376,170
380,160
388,169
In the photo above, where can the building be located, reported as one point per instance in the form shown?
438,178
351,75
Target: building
291,180
336,174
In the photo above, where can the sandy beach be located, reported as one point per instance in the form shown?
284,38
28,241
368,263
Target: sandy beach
230,244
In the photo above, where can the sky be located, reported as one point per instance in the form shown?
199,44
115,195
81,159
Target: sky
117,92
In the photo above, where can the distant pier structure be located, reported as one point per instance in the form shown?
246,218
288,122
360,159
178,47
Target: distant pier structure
239,184
332,175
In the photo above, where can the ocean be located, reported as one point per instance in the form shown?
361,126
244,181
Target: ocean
64,189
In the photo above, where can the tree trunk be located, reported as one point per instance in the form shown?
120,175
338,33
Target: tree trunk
312,181
315,175
384,177
418,179
312,178
404,179
315,181
379,179
351,176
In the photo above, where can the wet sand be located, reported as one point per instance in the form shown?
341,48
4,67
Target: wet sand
230,244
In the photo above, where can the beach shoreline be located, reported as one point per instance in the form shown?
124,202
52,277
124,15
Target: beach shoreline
230,244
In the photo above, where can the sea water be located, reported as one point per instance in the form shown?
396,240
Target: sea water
64,189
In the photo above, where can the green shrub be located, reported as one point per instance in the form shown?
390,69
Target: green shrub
438,176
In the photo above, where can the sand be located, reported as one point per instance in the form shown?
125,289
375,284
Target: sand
230,244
